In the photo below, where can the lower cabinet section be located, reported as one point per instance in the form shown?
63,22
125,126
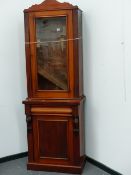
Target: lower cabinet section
55,138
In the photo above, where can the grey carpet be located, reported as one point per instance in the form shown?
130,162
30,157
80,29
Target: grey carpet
18,167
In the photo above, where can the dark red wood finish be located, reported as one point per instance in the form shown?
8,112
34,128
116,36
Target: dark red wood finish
55,120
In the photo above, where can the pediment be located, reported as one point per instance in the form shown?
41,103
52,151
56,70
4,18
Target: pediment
50,5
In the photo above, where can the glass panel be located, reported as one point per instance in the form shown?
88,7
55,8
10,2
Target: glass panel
51,53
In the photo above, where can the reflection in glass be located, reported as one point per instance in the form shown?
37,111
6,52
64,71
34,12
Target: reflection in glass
51,53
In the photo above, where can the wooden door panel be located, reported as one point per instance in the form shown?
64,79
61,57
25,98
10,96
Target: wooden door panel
53,138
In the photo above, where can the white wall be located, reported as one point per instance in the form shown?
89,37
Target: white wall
107,41
12,77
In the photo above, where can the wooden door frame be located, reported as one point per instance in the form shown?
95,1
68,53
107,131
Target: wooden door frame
70,61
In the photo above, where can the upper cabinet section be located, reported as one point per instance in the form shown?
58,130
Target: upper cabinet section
53,50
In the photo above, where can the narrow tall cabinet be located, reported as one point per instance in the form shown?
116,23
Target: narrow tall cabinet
54,106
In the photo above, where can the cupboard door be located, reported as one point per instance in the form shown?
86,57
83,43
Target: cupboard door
53,137
51,44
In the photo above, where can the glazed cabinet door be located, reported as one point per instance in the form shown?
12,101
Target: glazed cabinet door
51,58
53,136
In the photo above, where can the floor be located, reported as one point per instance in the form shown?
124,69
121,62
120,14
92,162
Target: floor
18,167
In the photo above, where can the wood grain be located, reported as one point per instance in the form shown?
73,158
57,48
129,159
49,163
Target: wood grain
51,110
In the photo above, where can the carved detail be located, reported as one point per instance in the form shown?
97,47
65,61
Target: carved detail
76,124
28,119
27,110
29,124
50,5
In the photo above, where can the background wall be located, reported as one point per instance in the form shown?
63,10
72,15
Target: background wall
107,78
